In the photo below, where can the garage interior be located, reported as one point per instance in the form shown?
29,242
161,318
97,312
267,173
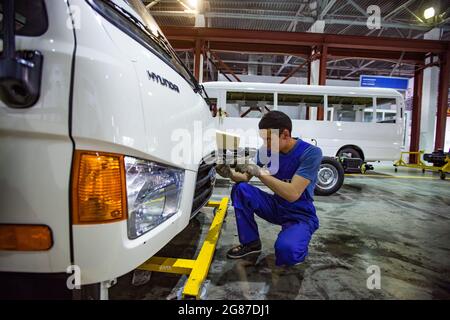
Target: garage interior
399,220
97,204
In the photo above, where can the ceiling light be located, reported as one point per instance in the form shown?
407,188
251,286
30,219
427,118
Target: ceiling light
429,13
192,3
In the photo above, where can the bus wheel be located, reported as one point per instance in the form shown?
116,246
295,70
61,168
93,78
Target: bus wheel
330,177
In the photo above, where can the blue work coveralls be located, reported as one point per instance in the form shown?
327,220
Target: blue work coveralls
298,219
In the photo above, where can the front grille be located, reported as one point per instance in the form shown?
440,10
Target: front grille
206,178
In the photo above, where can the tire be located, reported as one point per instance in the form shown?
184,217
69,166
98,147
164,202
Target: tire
442,175
330,177
349,152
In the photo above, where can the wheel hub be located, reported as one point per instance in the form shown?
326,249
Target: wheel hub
327,176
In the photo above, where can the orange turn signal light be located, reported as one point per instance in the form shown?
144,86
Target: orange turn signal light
98,188
25,237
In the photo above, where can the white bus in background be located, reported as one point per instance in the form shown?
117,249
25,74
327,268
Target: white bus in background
364,123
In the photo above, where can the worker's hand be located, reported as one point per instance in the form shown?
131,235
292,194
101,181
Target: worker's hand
223,170
251,169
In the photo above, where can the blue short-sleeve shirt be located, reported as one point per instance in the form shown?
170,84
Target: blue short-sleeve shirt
303,159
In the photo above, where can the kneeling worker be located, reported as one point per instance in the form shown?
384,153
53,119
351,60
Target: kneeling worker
292,181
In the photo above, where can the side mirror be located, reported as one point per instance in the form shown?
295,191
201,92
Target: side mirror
20,72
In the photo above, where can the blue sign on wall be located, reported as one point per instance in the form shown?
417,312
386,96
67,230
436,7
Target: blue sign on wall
383,82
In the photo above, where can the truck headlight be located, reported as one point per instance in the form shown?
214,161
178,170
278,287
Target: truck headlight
153,192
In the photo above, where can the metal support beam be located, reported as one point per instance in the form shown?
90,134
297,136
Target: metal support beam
308,82
225,66
259,63
393,13
327,8
410,57
151,4
294,71
348,20
322,77
293,50
323,65
292,26
332,66
357,7
416,112
300,43
397,10
397,64
219,69
431,64
283,65
197,58
414,15
442,105
306,39
358,69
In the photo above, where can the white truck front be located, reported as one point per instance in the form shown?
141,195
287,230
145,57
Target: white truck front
95,178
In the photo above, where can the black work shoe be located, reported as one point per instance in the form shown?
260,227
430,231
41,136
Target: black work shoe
241,251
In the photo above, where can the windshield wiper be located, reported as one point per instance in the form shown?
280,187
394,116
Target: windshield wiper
142,26
163,44
163,41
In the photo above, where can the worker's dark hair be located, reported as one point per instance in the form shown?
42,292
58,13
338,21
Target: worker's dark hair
276,120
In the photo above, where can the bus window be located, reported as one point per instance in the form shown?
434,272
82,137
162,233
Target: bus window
249,104
386,110
352,109
299,106
368,115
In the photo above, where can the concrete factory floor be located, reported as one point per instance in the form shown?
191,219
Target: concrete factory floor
399,222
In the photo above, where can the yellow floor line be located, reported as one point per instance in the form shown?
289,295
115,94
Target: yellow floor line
392,177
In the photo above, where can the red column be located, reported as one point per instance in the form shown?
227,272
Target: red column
309,73
197,54
323,66
442,105
416,112
309,78
322,77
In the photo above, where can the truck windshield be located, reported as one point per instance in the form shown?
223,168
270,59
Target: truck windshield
140,25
